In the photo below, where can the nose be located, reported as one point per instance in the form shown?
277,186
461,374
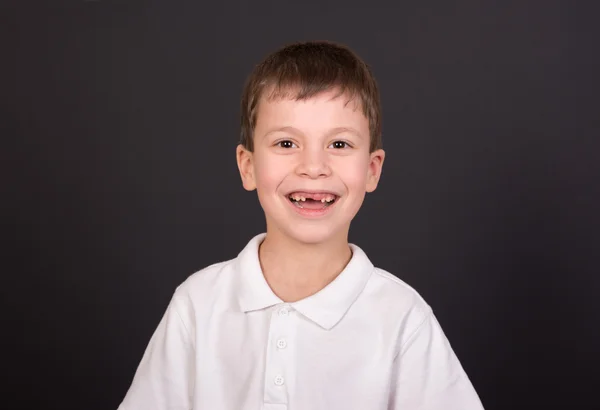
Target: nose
313,164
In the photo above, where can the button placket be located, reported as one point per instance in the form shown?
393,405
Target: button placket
278,366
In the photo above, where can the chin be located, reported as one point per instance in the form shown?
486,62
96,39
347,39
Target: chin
313,234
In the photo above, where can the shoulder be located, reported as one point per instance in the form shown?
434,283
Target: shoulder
202,289
396,305
206,280
394,294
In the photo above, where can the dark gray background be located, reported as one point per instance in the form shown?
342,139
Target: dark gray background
119,125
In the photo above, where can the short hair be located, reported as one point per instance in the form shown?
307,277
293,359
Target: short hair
303,70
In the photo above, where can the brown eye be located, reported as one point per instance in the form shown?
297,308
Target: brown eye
340,144
286,144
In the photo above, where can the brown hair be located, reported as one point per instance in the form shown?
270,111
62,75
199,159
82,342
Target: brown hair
307,69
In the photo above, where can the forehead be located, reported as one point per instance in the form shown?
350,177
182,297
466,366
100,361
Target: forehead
324,109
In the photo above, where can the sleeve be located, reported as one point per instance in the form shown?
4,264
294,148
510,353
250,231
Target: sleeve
428,375
165,376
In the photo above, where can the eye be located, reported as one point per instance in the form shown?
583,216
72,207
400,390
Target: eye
286,144
340,145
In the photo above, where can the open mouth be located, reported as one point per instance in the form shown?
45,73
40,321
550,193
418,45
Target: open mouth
316,201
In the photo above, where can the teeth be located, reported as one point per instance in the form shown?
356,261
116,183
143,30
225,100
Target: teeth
299,198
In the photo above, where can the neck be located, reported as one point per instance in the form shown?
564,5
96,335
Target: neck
296,270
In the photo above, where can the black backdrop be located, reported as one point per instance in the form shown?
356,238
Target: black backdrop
119,124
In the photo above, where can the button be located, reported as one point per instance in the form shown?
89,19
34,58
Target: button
281,343
279,380
283,312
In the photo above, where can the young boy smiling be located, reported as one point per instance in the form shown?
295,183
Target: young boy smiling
301,319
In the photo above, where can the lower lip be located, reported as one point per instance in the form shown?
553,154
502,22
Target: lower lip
312,213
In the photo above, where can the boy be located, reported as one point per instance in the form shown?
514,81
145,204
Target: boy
301,319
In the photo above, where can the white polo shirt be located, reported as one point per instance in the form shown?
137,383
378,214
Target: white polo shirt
367,341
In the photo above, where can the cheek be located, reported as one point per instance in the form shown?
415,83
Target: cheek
355,174
269,173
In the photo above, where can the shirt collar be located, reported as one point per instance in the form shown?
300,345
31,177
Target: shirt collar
326,307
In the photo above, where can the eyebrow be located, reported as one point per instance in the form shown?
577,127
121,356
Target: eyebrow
331,132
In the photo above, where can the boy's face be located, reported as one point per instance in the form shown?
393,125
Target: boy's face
311,166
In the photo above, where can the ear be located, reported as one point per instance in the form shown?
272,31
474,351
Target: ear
375,168
246,167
